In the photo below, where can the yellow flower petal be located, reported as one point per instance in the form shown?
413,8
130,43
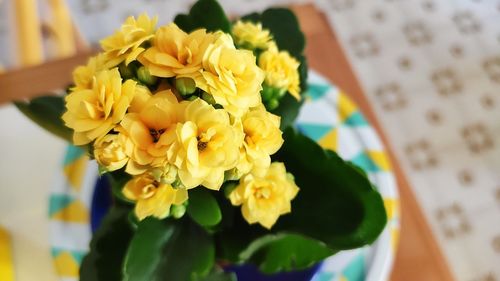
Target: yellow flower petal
264,198
153,198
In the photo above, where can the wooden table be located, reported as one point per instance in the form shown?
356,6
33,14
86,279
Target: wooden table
418,256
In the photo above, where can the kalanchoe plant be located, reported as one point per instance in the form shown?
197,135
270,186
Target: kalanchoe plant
192,124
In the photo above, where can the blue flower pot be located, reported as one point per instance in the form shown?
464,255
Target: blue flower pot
102,200
251,273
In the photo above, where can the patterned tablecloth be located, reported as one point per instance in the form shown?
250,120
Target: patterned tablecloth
328,117
431,70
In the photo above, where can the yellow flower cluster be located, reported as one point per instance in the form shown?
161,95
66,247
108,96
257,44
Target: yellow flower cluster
280,68
265,197
171,137
251,35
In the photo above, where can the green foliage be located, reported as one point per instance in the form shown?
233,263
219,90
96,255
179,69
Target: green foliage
285,252
46,112
288,109
173,250
336,204
117,180
108,247
336,209
206,14
203,208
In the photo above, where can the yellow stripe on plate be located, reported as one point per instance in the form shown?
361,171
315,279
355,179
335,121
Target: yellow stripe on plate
6,263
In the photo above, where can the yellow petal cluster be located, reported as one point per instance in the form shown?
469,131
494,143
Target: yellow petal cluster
262,137
176,53
282,70
153,198
231,76
83,76
199,120
264,198
125,44
251,35
150,131
93,112
109,152
262,132
207,145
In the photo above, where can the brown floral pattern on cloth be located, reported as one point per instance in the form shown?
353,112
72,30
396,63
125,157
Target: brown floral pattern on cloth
431,70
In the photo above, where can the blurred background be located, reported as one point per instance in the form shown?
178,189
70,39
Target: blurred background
425,72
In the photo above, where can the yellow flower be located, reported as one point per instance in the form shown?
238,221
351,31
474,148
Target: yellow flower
262,132
231,76
282,70
166,173
141,97
109,152
252,35
153,198
256,165
261,135
208,145
93,112
265,198
83,76
125,44
150,131
176,53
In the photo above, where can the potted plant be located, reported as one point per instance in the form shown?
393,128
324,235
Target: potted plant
192,126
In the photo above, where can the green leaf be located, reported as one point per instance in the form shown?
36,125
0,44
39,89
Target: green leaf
46,112
284,27
118,179
335,209
173,250
288,109
108,247
203,207
285,252
336,203
206,14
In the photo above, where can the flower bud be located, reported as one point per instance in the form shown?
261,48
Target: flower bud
208,98
177,211
185,86
266,93
127,72
272,104
145,77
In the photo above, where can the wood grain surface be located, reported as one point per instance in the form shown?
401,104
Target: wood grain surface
418,256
